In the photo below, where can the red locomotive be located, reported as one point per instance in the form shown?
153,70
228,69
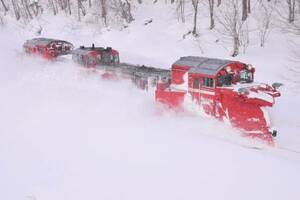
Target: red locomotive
223,89
48,48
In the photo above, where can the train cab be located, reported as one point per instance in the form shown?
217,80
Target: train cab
47,48
224,89
93,56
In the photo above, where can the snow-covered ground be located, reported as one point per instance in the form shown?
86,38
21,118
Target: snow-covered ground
67,134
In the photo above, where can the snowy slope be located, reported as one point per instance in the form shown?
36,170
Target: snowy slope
66,134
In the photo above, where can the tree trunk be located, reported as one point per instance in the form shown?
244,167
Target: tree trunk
235,33
104,11
69,7
180,10
236,46
4,6
16,9
245,10
27,8
53,7
195,5
78,10
211,12
249,6
292,5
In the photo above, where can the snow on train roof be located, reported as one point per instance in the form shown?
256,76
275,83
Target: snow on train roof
42,41
203,65
84,50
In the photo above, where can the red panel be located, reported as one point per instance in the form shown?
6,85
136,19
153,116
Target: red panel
172,99
177,74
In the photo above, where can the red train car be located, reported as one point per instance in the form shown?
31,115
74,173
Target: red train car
223,89
47,48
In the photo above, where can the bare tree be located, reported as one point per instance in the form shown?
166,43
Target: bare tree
36,8
69,6
52,5
16,9
245,10
126,10
195,4
80,9
291,7
229,17
26,8
249,6
104,11
1,19
4,6
264,17
180,10
211,13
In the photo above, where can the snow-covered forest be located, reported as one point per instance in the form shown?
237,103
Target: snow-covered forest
237,20
66,133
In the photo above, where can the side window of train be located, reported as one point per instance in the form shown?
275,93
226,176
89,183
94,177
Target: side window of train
40,49
106,58
98,58
90,61
81,59
76,58
116,58
196,83
208,82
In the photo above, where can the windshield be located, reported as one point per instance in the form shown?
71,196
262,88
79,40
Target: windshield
116,58
225,80
246,76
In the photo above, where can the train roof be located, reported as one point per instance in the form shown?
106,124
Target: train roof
42,41
203,65
83,50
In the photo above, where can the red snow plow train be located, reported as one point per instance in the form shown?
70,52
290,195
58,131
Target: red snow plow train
224,89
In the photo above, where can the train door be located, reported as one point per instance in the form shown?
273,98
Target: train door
91,60
195,89
207,95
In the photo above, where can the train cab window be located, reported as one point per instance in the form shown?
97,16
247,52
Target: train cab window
59,46
77,57
196,84
40,49
106,58
208,82
90,61
81,59
98,59
246,76
74,57
225,80
116,59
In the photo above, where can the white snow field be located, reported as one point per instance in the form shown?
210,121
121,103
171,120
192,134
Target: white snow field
65,134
